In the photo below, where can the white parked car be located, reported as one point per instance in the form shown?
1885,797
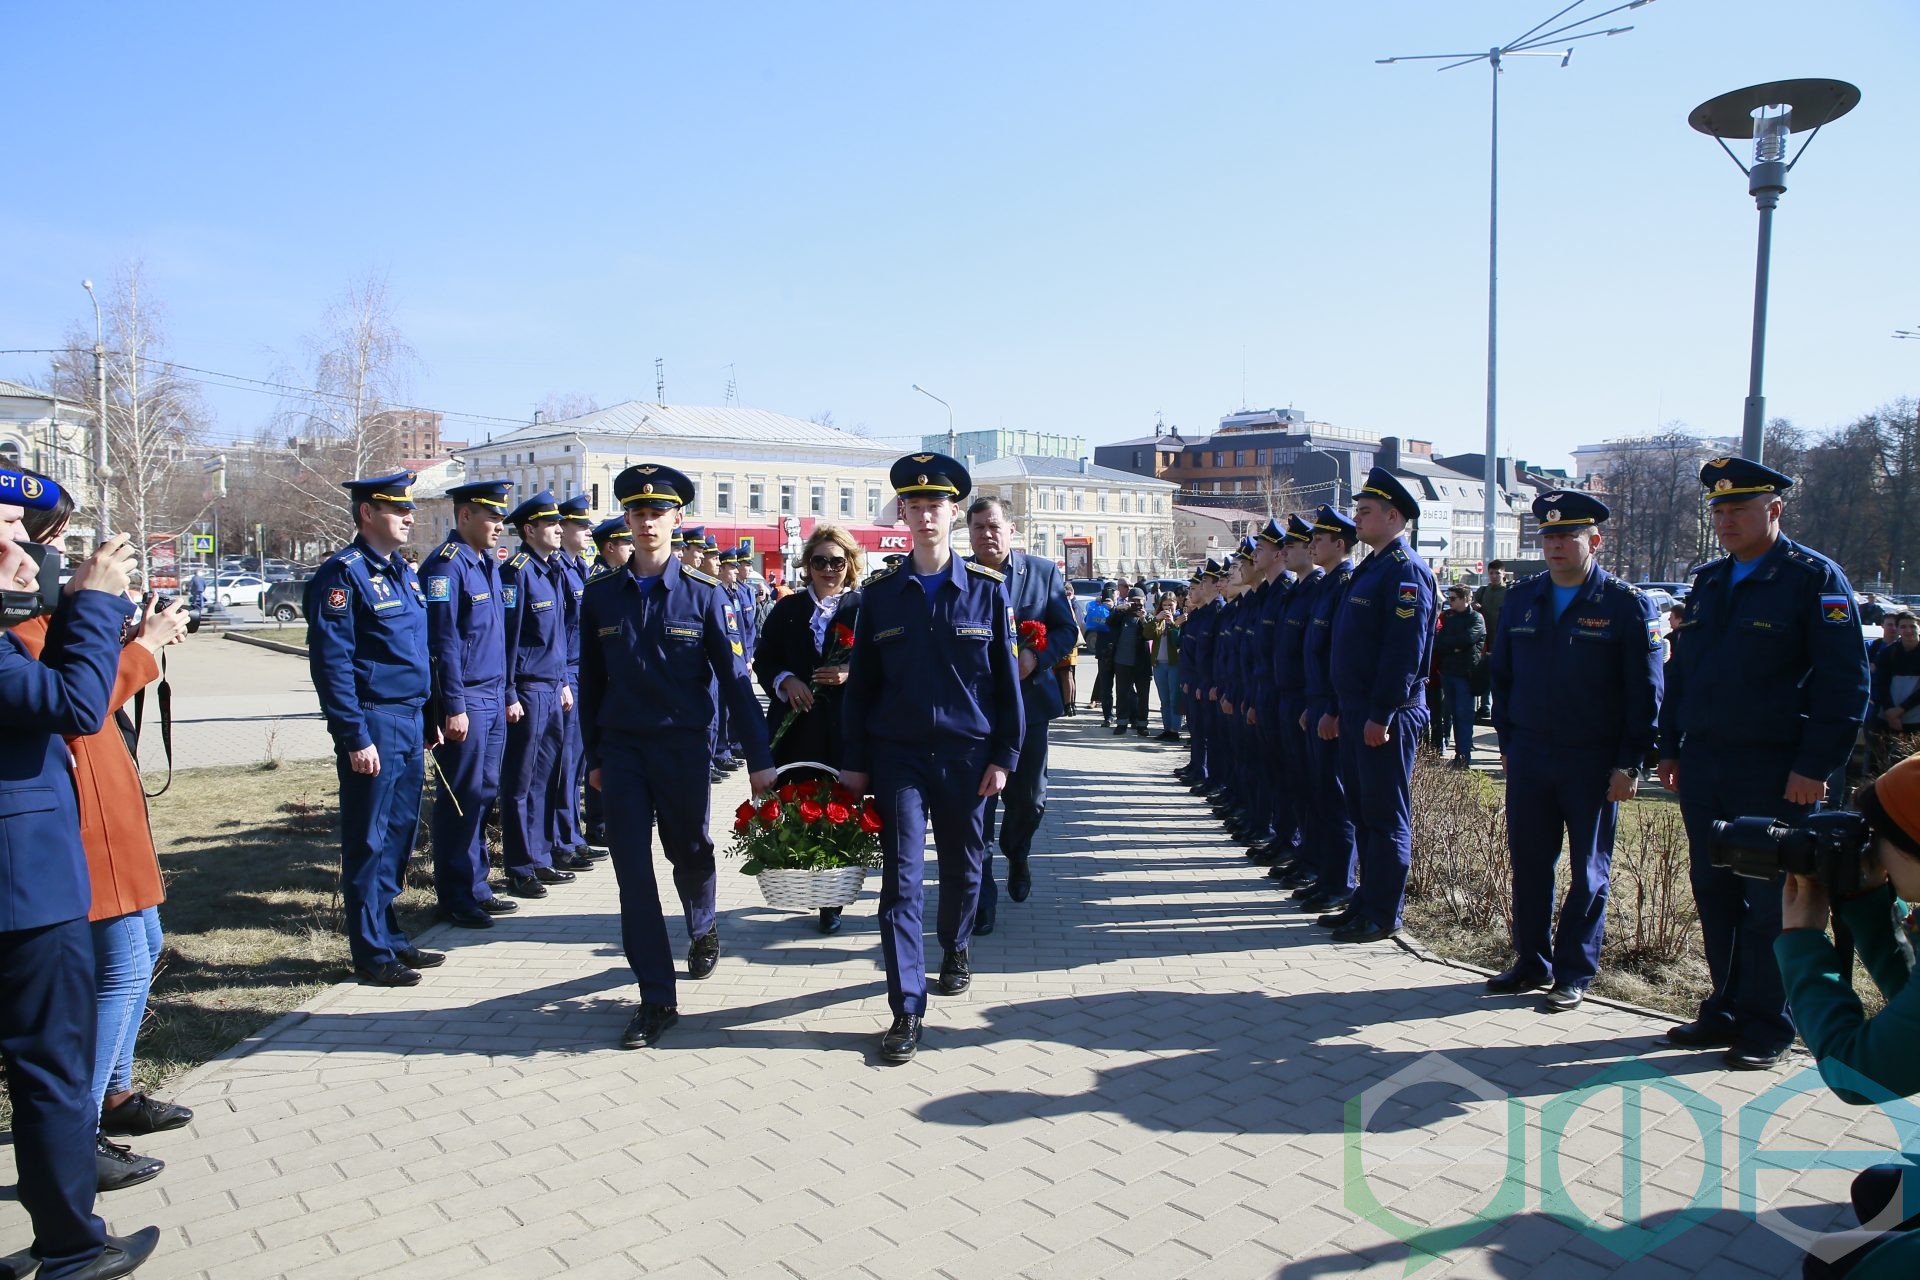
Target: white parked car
229,587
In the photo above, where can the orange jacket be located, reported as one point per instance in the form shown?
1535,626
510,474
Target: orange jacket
113,806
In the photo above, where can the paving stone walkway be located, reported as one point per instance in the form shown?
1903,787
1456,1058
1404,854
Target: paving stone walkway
1160,1071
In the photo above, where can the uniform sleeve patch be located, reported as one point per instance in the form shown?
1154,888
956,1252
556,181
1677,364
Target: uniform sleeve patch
1409,593
439,588
337,598
1836,608
1653,633
733,619
509,595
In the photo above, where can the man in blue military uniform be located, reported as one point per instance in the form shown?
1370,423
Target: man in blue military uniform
1382,651
656,638
1576,688
534,595
1234,804
1766,691
1194,631
613,543
1038,594
1332,835
564,830
48,1003
932,717
467,646
367,649
1281,829
1300,869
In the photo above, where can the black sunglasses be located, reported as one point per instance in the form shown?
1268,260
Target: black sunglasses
822,562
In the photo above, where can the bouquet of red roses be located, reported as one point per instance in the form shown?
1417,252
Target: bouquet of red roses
806,826
839,649
1033,635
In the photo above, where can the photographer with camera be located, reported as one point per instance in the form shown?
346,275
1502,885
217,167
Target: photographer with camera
47,1002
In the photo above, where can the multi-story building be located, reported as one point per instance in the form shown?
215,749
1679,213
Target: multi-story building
41,432
984,446
1128,517
1258,460
416,434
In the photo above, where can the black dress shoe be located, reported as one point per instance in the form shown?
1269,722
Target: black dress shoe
415,958
956,975
1325,903
983,923
647,1025
122,1256
1513,979
390,974
1335,919
526,887
1019,879
901,1039
716,775
1119,729
552,875
142,1114
1756,1057
467,919
830,919
1701,1034
596,846
704,954
1199,788
499,906
1358,930
729,763
574,862
1564,998
118,1167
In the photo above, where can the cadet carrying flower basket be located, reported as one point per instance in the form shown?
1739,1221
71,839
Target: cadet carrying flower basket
809,844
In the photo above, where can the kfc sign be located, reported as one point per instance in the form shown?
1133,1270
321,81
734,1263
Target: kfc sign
893,542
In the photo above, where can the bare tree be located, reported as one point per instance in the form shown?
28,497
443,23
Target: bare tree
559,406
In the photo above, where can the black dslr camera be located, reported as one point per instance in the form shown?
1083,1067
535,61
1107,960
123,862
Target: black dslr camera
1829,846
17,606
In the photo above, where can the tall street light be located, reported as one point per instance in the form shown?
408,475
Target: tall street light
1536,42
100,473
952,440
1768,113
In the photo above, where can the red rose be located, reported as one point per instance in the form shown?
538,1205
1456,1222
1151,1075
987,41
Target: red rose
870,821
810,811
838,813
788,793
843,796
842,636
744,812
770,811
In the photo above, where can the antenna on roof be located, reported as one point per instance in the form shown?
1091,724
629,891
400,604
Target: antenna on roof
660,381
733,388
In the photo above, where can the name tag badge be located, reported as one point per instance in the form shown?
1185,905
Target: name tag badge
380,605
542,604
684,633
608,631
974,633
481,597
891,633
1362,600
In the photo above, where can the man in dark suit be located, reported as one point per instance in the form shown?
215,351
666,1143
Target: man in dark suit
47,1000
1039,595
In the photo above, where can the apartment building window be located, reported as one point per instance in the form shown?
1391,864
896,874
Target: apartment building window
1100,542
1040,543
1079,500
846,499
1219,459
817,499
1126,503
786,499
1103,500
1126,543
1240,458
873,499
756,497
723,496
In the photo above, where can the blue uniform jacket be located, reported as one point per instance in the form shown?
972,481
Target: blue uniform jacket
1383,634
1317,651
1272,608
535,594
67,693
648,661
937,673
1196,641
1290,648
1039,594
1777,661
1592,678
366,639
466,625
573,574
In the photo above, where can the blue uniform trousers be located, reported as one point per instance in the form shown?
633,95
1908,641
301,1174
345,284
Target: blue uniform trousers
658,776
48,1023
1023,802
1196,735
1550,791
1290,774
909,786
470,775
379,817
1331,838
1739,917
564,831
1272,768
526,778
1379,783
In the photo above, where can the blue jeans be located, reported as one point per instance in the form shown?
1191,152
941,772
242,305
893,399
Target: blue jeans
1166,678
125,950
1460,708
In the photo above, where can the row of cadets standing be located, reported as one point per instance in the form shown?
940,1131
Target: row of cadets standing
1198,640
1295,868
1230,798
613,545
1333,852
1280,837
566,832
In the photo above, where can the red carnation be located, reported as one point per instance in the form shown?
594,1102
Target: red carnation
743,813
838,814
770,811
810,811
870,821
1033,635
842,636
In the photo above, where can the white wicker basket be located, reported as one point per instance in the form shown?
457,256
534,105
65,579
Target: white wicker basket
790,890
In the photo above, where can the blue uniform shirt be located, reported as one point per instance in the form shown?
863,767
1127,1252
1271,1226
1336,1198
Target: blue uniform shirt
1317,652
648,660
1383,634
1290,649
366,639
573,572
1775,661
933,672
534,594
1590,677
466,624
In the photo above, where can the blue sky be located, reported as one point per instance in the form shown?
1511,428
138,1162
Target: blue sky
1056,216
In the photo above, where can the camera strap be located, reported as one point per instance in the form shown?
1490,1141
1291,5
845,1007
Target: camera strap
163,702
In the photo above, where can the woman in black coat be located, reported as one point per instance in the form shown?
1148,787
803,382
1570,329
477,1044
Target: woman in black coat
790,660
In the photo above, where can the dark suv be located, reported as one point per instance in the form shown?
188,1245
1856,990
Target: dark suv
281,601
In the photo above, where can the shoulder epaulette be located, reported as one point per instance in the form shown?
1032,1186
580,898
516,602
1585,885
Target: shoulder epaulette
349,555
598,572
985,572
884,571
699,575
1399,554
1709,566
518,561
1807,560
447,550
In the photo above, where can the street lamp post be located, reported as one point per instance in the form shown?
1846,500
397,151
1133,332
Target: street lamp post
1768,113
100,473
952,439
1535,43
